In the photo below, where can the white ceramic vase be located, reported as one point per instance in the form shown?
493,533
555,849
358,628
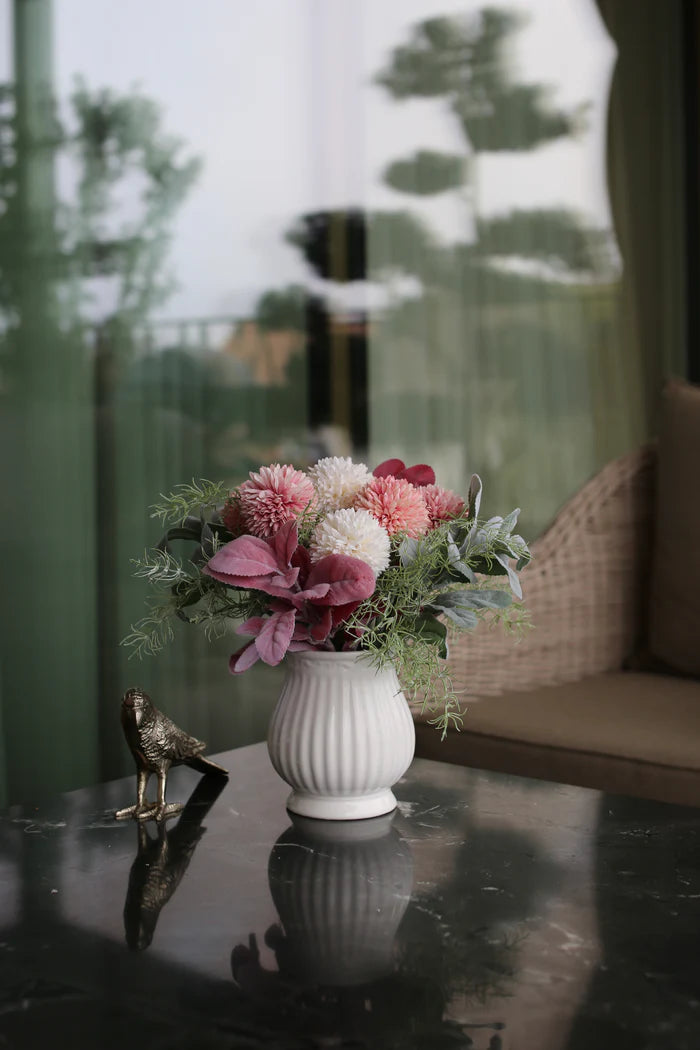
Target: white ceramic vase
341,736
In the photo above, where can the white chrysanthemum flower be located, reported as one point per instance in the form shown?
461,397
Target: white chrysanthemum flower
337,480
353,532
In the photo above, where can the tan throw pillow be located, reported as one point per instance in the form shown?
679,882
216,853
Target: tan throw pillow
675,584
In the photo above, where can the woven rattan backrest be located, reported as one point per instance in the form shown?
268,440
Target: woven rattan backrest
585,590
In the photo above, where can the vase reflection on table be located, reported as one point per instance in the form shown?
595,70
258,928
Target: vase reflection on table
341,890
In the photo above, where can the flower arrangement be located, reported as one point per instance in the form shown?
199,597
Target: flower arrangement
335,558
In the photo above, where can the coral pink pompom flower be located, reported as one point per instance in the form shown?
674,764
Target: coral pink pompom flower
273,496
442,504
396,504
421,474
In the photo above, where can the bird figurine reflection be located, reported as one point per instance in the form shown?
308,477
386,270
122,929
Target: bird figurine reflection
157,745
161,862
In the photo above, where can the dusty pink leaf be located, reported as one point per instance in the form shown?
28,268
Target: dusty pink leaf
246,556
350,579
312,594
272,583
284,594
284,543
301,632
243,659
304,647
252,626
273,641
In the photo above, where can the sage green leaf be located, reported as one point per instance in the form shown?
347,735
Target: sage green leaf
474,496
454,557
408,550
463,606
465,618
513,578
449,605
433,630
509,522
482,599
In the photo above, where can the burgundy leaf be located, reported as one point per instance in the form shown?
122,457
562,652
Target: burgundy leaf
285,542
419,475
350,579
302,560
243,659
320,630
343,612
273,641
389,468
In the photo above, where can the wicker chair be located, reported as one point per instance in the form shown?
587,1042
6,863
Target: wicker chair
583,590
559,704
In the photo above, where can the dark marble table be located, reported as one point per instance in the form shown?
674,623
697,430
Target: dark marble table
491,912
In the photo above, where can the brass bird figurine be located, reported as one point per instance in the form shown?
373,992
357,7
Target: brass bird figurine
157,744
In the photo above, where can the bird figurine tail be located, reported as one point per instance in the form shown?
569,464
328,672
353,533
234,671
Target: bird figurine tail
206,766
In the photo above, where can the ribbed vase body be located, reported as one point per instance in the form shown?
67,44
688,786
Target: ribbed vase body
341,736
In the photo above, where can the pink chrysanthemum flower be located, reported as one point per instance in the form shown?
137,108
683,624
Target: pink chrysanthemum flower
442,504
396,504
272,496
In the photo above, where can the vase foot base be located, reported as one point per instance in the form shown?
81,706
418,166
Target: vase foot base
349,807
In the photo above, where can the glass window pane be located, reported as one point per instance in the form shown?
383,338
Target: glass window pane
235,234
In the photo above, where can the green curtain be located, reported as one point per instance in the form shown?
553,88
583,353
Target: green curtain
645,164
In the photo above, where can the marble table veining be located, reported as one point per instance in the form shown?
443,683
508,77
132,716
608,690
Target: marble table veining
489,912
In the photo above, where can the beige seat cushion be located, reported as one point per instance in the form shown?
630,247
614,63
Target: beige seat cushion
628,733
675,583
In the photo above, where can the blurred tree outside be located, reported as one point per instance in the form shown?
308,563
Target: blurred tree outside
512,316
484,353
